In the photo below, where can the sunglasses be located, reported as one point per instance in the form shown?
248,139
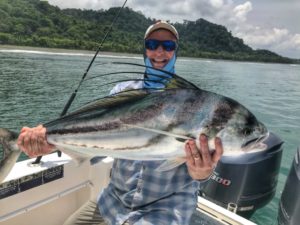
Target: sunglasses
153,44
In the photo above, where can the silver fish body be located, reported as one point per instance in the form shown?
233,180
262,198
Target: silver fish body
143,125
154,126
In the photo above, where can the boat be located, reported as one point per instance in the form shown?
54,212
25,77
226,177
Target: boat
33,192
49,192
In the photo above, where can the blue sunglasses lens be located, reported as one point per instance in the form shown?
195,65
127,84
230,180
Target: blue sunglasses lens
153,44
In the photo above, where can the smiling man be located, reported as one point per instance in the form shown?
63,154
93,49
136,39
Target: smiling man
138,193
160,44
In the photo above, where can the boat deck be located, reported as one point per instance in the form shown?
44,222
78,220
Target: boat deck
58,187
201,218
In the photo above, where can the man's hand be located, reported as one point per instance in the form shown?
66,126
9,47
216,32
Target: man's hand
33,141
200,162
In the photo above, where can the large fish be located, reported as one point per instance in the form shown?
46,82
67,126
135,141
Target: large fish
149,125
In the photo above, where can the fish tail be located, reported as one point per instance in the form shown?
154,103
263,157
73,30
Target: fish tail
9,153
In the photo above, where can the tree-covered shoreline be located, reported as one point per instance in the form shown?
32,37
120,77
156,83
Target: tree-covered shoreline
38,24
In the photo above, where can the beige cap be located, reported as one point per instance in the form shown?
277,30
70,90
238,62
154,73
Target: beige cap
161,25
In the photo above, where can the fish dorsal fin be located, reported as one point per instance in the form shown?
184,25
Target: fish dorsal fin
112,100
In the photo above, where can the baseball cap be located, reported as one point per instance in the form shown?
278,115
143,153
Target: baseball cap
161,25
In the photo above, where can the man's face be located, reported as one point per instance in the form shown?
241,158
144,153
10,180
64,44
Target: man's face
160,57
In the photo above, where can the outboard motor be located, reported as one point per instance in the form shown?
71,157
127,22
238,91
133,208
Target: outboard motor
289,206
246,182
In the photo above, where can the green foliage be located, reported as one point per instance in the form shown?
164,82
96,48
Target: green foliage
36,23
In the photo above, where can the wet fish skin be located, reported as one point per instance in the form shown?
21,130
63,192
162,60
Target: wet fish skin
132,129
141,125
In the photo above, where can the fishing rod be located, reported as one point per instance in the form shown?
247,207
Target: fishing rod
72,97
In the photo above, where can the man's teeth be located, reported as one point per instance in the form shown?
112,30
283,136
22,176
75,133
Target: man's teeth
159,61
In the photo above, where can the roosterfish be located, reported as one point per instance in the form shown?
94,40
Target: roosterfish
143,124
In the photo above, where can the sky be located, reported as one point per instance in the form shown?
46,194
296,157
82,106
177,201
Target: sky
262,24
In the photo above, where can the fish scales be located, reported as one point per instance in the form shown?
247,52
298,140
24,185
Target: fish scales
149,125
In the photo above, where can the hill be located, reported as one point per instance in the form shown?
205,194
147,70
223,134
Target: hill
37,23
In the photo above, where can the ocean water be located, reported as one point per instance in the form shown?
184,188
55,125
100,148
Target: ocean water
36,84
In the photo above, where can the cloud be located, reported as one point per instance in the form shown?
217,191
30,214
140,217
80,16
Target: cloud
287,42
262,37
217,3
241,11
278,40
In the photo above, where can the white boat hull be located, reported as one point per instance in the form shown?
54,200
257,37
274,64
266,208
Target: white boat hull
49,193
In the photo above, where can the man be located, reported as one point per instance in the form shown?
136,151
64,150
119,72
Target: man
137,193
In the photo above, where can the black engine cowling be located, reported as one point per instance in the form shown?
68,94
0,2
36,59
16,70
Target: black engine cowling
246,182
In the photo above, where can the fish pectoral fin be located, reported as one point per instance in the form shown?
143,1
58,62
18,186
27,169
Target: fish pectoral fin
171,164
